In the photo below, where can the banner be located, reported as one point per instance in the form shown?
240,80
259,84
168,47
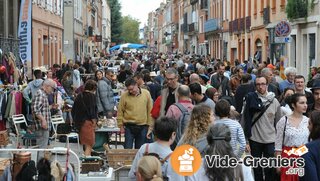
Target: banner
24,34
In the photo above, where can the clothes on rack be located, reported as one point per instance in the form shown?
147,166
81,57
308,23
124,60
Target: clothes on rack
3,104
56,171
14,104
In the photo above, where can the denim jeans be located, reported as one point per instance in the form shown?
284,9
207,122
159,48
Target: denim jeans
136,134
42,138
263,150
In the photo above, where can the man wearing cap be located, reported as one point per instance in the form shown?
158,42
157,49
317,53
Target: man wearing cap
316,95
41,111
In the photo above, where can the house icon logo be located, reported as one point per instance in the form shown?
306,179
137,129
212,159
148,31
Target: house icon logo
186,160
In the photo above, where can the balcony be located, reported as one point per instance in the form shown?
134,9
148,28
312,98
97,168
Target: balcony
184,28
266,16
248,23
230,27
235,25
192,2
241,24
193,27
211,25
204,4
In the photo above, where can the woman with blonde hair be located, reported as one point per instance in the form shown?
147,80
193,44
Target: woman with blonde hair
149,169
195,134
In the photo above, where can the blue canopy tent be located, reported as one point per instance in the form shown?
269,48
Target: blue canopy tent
128,45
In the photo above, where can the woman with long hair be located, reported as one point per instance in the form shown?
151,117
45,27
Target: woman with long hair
67,83
149,169
105,101
292,131
312,157
218,138
85,115
195,134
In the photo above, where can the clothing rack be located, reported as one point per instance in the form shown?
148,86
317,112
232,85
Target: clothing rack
60,150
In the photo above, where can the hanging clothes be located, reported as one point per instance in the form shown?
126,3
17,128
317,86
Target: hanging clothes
18,98
56,171
8,106
5,63
3,103
13,105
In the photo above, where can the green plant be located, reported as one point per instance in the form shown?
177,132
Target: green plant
299,8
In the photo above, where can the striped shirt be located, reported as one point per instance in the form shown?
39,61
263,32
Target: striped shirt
238,141
40,106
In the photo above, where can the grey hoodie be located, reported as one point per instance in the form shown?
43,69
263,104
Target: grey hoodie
32,87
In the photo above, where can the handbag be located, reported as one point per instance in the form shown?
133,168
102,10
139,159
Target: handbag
261,113
284,131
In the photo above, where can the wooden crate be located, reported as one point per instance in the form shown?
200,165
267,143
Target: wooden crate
120,157
91,164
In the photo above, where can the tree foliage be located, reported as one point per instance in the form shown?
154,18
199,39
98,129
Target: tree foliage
116,21
130,30
298,8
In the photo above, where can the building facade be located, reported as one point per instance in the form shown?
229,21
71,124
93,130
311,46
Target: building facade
305,41
9,18
47,32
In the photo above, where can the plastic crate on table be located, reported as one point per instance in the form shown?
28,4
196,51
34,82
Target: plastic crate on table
120,157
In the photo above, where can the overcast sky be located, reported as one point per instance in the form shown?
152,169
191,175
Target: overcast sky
139,9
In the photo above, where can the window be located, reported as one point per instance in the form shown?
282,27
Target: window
11,20
58,7
274,5
232,18
75,9
249,8
43,3
255,7
283,3
2,18
261,6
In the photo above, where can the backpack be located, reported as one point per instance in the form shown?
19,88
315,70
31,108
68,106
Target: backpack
183,121
162,161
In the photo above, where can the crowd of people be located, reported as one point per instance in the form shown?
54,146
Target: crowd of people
167,101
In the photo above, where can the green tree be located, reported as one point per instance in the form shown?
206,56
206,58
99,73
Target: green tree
116,21
299,8
130,30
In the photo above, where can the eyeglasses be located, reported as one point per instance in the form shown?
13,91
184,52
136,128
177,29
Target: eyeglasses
262,84
170,79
